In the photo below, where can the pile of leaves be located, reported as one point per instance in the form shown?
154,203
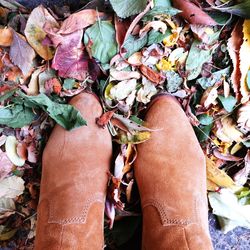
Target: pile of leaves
126,52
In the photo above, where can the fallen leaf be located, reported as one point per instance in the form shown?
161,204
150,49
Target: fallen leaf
211,186
244,116
6,37
231,213
105,118
11,151
234,43
241,176
123,75
155,25
79,21
7,207
35,33
5,165
228,103
219,177
33,87
102,35
11,187
192,13
121,27
70,59
21,54
245,61
130,8
151,74
6,235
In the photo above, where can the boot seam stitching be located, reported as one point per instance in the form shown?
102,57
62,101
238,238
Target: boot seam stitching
163,215
97,198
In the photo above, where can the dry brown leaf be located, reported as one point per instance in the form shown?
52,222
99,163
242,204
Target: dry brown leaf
234,43
151,74
33,87
105,118
6,37
245,61
155,25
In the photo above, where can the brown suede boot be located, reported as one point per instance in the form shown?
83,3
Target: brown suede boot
73,187
171,176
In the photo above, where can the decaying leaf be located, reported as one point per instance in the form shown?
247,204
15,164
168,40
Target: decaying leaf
35,33
244,116
7,207
217,176
22,54
151,74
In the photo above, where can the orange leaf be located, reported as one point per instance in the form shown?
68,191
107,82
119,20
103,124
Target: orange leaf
151,74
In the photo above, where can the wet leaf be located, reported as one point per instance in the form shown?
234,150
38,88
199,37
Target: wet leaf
21,54
130,8
35,33
102,35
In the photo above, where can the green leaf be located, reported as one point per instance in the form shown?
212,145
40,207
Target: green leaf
196,58
160,10
247,143
173,82
217,76
128,8
132,44
228,103
16,116
202,132
242,9
102,35
69,83
156,36
248,79
205,119
65,115
7,95
163,3
220,18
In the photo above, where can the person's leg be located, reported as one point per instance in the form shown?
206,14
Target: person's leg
74,180
171,176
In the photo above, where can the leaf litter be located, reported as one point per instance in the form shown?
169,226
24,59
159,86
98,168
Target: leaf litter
196,51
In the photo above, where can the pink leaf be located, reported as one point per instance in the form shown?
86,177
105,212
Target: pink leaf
70,59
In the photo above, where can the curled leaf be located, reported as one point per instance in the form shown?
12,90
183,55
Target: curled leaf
6,37
151,74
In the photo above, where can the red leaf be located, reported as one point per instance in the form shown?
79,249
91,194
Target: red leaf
70,59
192,13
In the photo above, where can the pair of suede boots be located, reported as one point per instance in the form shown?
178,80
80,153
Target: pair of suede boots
169,170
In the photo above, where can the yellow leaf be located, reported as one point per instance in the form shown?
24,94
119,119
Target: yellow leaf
211,186
8,235
35,33
245,61
217,176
